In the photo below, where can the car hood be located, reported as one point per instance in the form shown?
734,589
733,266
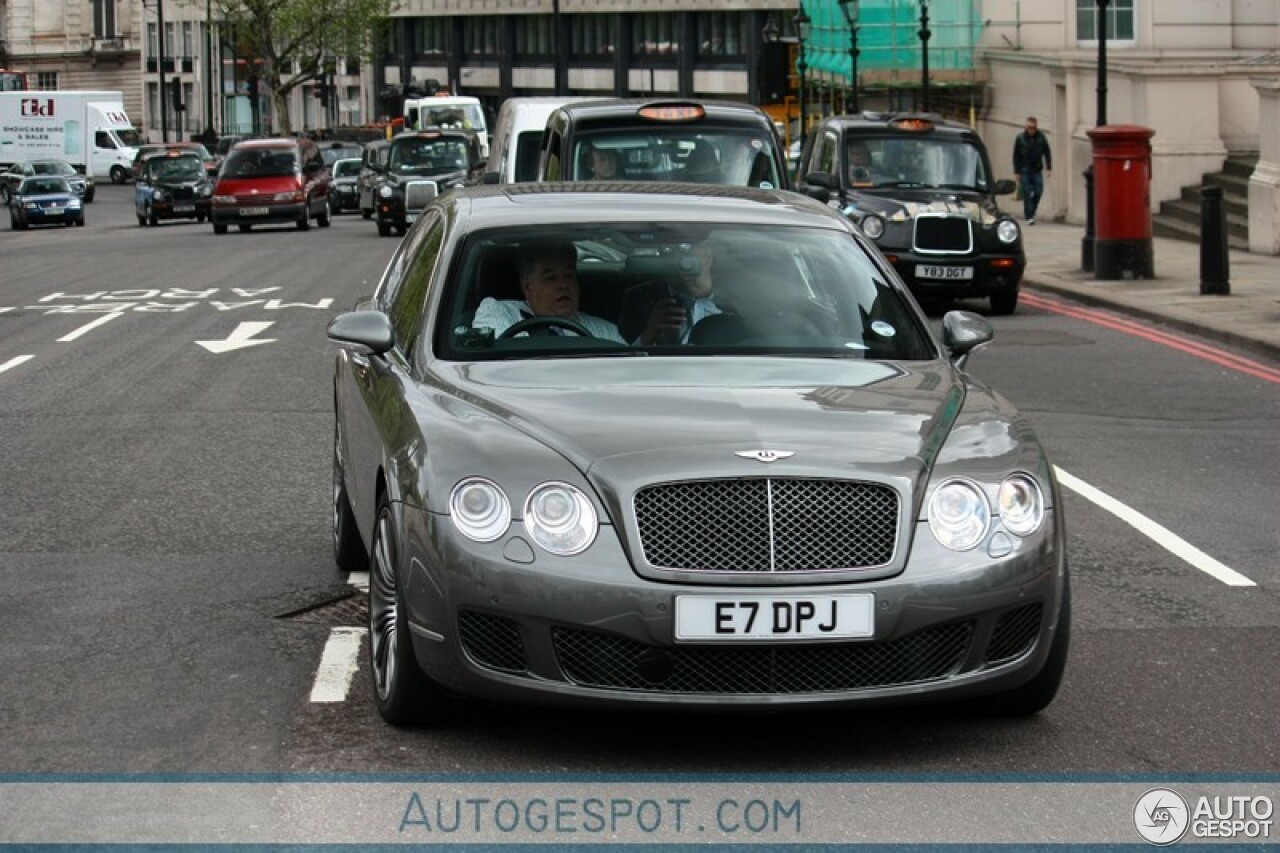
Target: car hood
905,205
47,197
259,185
625,423
193,183
441,178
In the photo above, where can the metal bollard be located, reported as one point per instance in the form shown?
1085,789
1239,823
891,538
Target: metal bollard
1215,273
1086,244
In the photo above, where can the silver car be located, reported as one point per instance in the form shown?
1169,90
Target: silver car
730,466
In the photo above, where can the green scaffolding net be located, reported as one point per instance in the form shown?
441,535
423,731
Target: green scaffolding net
889,37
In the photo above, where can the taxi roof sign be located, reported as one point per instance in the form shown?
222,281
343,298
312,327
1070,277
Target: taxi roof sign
673,112
912,123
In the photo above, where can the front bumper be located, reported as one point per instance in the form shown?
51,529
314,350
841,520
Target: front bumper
194,209
51,217
506,621
992,273
258,214
342,197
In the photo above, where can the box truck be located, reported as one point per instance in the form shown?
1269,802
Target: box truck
89,130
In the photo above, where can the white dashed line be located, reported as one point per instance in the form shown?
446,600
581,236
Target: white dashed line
360,580
89,327
1159,534
14,362
338,665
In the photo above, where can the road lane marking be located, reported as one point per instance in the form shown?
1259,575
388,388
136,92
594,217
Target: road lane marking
338,665
89,327
360,580
14,362
240,338
1130,327
1157,533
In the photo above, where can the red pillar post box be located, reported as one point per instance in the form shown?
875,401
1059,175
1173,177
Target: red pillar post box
1122,202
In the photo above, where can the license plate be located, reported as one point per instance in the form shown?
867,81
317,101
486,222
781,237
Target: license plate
774,617
253,211
184,208
945,273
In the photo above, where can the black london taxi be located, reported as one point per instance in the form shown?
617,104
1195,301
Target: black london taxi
418,166
171,184
706,142
922,188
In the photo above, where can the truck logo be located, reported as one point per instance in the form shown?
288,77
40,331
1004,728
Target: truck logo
37,107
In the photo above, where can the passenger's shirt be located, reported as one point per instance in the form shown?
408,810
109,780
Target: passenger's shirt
501,314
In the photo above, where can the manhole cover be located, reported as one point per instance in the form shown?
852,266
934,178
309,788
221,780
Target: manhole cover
348,609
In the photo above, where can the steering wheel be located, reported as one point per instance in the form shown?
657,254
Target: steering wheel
534,323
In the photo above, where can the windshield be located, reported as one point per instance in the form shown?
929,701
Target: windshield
177,169
733,157
53,168
130,137
37,186
333,155
260,163
778,291
427,156
454,116
225,143
897,161
348,168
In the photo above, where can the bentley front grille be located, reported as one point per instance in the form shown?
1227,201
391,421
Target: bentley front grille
767,525
1014,634
943,235
596,659
492,641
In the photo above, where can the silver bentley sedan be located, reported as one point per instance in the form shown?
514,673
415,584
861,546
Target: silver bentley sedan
623,445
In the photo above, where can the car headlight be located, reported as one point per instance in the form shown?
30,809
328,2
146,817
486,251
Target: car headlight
959,515
560,518
224,199
290,196
873,226
74,203
1007,231
31,205
159,195
1020,504
385,191
479,509
203,191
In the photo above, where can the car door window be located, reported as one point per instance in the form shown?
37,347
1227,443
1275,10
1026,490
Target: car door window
408,307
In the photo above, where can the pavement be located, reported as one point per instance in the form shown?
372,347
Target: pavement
1248,317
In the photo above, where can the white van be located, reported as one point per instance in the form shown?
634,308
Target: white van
448,111
517,136
89,130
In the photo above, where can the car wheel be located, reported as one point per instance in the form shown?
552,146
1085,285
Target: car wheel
152,219
142,220
88,199
118,175
326,217
1037,693
402,229
1005,302
20,224
304,223
4,193
80,222
384,229
348,547
244,229
367,214
200,218
219,228
401,689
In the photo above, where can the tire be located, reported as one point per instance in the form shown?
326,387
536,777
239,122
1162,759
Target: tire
88,199
384,229
244,229
403,693
142,220
348,548
80,222
20,225
324,219
4,194
366,214
402,230
200,217
1004,303
304,224
1037,693
219,228
119,175
152,219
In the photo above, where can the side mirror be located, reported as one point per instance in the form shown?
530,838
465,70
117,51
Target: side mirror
491,178
822,179
963,332
367,332
1004,186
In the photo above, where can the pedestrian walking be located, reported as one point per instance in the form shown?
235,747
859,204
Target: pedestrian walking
1032,160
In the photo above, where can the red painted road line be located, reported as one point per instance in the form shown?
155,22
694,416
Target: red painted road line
1129,327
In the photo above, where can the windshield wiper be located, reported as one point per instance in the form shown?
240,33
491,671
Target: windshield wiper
969,187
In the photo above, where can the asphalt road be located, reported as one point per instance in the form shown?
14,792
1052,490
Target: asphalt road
169,591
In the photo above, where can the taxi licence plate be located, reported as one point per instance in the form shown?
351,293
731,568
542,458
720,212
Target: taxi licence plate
774,617
184,208
945,273
253,211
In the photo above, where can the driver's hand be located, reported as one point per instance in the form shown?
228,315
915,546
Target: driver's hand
666,322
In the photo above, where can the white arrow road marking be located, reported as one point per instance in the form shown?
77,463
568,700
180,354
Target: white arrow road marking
10,308
338,665
1158,533
89,327
14,362
241,338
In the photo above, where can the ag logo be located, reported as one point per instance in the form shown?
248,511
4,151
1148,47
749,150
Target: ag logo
1161,816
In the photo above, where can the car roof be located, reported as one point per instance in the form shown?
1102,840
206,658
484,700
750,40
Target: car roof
629,107
271,142
170,155
875,121
512,205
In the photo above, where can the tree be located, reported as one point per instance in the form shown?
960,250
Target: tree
293,41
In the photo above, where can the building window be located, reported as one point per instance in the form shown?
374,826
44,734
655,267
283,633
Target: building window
723,34
188,101
153,104
169,40
429,37
655,34
153,43
188,40
593,36
1120,21
47,81
533,36
482,36
104,19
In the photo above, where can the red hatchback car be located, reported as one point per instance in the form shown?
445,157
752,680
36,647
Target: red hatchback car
266,181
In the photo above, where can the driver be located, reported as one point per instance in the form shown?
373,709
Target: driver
549,281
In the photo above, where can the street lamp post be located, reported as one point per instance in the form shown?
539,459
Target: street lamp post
164,93
802,21
208,72
850,10
1086,243
924,54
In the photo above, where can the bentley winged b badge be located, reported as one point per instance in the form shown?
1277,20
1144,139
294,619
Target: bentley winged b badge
765,455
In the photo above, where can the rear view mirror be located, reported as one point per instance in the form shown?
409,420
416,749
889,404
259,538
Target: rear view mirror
963,332
1004,186
362,332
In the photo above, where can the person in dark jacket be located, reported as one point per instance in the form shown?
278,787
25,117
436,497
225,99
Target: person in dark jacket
1032,160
